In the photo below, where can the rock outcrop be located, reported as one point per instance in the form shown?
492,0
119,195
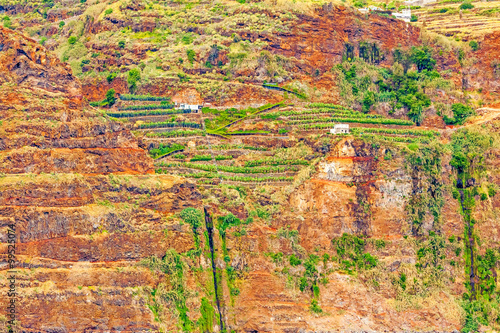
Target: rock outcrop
83,198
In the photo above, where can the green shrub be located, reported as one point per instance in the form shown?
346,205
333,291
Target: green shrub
294,261
121,44
413,18
422,57
466,5
110,97
474,45
43,40
191,55
62,24
194,218
72,40
134,75
108,11
6,22
111,77
460,114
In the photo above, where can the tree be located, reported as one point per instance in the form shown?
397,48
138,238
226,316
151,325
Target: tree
422,57
466,5
191,55
474,45
110,97
72,40
134,75
460,114
368,101
62,24
6,22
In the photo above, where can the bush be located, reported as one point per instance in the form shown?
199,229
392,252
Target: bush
474,45
460,114
121,44
191,55
43,40
422,57
72,40
110,97
413,18
134,75
466,5
62,24
6,22
111,77
108,11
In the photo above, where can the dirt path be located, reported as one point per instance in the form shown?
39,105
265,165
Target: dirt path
486,114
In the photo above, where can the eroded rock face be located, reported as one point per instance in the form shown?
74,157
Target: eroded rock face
45,125
25,62
83,198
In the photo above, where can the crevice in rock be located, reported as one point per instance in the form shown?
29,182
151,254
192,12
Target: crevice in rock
210,226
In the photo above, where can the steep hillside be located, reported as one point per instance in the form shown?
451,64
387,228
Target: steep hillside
133,215
81,197
226,50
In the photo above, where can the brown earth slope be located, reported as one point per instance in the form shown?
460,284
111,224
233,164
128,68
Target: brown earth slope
80,193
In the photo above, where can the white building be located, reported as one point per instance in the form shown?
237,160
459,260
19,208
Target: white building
370,9
405,15
184,106
418,2
340,129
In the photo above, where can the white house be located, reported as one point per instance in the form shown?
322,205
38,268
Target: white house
192,107
370,9
340,129
405,15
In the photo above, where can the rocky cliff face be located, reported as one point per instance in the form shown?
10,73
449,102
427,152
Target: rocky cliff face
368,237
80,193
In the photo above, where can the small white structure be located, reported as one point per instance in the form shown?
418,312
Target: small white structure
405,15
370,9
192,107
340,129
418,2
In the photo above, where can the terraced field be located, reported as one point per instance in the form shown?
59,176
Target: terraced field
183,144
236,164
445,18
217,159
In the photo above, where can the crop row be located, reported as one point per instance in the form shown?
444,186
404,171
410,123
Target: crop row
397,138
164,149
232,169
209,158
145,113
326,105
275,162
232,178
169,124
146,107
383,121
362,130
341,115
176,133
128,97
228,147
275,115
